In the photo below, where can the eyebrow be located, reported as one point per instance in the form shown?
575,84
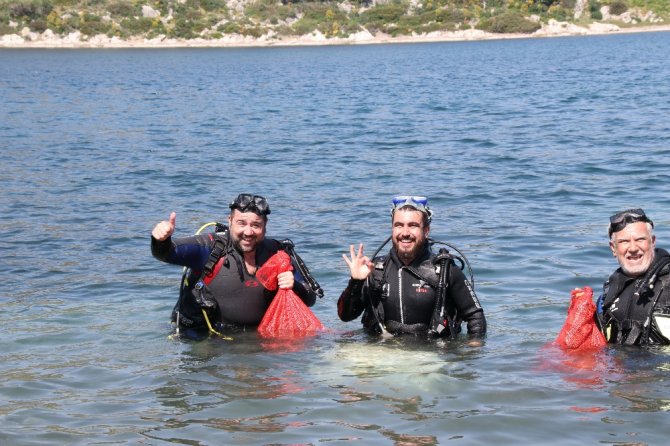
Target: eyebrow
642,237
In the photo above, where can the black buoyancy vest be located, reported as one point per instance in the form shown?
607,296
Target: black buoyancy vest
378,289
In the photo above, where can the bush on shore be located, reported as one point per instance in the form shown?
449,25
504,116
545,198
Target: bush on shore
510,22
618,7
188,19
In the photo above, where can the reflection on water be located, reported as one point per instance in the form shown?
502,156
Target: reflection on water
584,369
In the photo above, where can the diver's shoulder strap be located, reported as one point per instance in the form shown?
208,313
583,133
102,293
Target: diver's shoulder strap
216,256
379,272
662,295
288,246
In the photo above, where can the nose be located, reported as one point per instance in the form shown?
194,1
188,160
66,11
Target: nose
634,246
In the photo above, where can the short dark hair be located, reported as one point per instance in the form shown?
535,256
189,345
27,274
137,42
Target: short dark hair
426,218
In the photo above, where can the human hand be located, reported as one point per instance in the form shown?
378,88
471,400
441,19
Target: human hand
359,265
285,280
164,229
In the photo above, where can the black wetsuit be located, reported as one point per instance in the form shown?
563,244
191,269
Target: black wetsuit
240,299
404,297
624,310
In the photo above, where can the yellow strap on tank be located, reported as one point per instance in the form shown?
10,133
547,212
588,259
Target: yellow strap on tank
211,329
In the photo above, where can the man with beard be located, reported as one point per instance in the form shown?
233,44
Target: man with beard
221,289
634,308
402,292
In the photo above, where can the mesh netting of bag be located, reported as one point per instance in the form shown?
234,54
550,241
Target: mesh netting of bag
287,316
580,331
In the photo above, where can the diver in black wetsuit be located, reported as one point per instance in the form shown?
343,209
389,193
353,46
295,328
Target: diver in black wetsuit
229,292
634,308
412,289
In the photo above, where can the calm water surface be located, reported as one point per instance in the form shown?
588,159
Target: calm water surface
524,147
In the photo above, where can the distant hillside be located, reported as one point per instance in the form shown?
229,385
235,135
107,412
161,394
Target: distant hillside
270,19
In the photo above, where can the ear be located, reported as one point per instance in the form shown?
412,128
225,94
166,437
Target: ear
613,247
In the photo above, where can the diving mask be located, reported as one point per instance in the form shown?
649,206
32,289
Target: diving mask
251,203
622,219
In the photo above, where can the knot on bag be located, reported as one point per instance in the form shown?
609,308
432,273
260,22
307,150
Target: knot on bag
277,264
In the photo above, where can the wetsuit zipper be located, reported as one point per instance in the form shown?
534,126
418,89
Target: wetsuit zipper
400,288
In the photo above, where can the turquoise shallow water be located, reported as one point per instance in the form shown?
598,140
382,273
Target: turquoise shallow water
524,147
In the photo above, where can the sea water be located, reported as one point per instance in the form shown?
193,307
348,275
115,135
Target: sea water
524,148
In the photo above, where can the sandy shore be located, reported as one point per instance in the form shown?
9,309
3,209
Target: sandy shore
47,39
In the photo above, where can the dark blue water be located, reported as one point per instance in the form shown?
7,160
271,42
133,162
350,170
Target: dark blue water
524,147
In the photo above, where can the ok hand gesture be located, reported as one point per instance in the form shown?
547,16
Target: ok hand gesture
359,265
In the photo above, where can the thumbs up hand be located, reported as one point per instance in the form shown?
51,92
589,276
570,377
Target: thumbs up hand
164,229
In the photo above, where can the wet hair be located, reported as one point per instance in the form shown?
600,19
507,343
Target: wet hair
425,217
650,228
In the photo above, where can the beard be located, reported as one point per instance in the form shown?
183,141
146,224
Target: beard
249,246
408,254
639,269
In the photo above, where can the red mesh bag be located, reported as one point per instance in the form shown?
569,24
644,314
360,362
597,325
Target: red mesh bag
287,316
580,331
277,264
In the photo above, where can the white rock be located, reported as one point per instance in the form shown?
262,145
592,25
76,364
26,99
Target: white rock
73,37
625,17
580,5
605,11
12,39
149,13
99,39
361,36
471,34
603,27
345,6
555,25
316,36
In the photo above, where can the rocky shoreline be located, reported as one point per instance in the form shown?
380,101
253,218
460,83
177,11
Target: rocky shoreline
47,39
